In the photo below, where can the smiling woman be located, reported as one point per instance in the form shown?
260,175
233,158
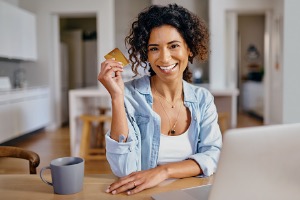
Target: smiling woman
162,126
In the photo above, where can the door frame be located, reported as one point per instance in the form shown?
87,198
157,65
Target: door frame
232,54
56,59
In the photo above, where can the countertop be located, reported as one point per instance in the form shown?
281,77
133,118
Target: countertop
25,89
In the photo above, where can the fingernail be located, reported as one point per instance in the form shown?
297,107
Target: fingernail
107,190
114,192
113,59
128,193
120,63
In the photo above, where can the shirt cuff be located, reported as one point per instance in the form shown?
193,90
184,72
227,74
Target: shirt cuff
121,147
208,167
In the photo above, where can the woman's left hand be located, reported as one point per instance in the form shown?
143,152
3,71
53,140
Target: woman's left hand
138,181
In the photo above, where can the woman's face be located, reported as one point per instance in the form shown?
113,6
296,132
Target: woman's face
167,53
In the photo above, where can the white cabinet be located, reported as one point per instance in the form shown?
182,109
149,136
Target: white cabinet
18,33
23,111
6,122
28,36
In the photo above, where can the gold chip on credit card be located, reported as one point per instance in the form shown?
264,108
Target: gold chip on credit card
118,55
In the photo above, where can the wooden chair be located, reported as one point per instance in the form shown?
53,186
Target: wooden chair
223,121
15,152
86,151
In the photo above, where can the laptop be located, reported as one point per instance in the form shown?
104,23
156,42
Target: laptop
258,163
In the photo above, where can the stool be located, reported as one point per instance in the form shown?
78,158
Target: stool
86,151
100,141
223,121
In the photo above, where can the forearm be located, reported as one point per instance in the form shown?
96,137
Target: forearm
186,168
119,122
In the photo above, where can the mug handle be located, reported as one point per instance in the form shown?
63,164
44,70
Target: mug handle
41,175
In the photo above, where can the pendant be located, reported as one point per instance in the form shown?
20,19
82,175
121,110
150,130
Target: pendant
172,132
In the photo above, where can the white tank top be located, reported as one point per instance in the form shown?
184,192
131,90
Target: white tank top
174,148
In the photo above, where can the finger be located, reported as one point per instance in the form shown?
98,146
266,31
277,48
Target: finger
136,189
110,71
110,62
119,184
122,181
110,65
123,188
118,74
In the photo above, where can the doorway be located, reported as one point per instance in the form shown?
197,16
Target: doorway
78,56
251,59
261,60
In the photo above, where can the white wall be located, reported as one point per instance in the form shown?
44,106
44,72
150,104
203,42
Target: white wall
276,69
291,68
13,2
45,69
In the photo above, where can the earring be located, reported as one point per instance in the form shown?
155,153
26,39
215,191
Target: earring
191,57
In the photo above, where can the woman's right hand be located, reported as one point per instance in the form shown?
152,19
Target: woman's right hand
111,78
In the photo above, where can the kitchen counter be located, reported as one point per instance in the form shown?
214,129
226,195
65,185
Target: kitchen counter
13,90
23,111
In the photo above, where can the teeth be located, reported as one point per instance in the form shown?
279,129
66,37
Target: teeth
168,67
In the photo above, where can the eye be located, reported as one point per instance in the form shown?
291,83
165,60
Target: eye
153,49
173,46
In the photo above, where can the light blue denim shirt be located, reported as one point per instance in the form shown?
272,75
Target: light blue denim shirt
140,151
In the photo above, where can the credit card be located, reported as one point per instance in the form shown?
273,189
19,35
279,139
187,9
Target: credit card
118,55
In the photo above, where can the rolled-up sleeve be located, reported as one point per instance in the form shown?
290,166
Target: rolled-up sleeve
210,140
123,157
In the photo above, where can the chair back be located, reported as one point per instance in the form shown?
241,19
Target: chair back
16,152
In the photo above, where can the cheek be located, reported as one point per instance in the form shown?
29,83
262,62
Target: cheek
183,56
152,58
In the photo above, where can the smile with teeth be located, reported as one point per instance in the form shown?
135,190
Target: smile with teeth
168,67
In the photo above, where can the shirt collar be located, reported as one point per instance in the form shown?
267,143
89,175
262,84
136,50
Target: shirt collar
142,85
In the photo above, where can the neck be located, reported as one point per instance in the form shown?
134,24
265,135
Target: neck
170,91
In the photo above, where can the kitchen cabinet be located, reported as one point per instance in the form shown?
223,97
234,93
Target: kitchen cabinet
18,33
6,122
23,111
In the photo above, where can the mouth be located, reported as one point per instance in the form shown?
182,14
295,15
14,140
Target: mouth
168,68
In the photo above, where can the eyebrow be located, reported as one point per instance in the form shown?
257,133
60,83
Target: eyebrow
171,42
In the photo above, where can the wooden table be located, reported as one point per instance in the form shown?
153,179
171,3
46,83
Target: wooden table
14,187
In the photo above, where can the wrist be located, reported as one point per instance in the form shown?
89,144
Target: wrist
117,99
164,171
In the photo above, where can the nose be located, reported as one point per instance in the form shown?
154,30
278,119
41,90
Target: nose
165,55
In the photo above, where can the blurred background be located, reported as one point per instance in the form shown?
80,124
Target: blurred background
51,51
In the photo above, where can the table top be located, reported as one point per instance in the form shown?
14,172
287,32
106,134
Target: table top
23,187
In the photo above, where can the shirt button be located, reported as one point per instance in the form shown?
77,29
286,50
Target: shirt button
130,149
195,118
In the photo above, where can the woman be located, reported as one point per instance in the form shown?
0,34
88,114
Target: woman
162,127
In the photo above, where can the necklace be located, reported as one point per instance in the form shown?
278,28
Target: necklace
172,128
170,103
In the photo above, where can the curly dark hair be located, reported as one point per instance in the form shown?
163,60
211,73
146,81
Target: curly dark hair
193,30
